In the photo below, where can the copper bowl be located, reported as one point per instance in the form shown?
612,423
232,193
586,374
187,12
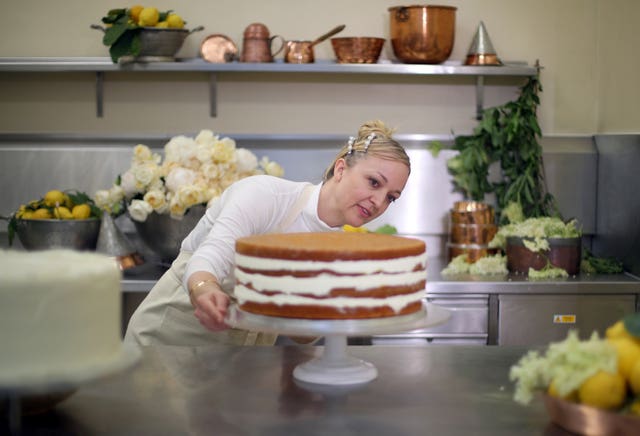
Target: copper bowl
357,50
586,420
422,34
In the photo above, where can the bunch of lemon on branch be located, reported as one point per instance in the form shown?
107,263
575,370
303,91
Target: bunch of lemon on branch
123,27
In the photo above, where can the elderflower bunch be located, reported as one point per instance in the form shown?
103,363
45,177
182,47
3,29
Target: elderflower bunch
194,171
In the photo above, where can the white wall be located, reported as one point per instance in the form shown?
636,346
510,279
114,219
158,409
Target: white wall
588,49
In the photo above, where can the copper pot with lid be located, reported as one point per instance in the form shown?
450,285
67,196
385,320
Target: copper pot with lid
257,44
422,34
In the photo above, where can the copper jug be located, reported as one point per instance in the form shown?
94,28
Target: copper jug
257,44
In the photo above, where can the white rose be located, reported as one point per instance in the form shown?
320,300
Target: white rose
128,184
274,169
176,210
139,210
189,195
180,149
142,153
145,174
204,153
206,137
179,177
102,199
210,171
224,150
246,161
157,200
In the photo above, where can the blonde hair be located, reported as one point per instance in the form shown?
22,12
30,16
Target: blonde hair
374,139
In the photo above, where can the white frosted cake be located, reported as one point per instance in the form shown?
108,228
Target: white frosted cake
331,275
60,315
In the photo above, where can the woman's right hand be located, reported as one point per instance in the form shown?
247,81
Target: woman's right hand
210,303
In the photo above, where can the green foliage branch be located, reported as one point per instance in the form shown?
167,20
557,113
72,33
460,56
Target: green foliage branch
507,134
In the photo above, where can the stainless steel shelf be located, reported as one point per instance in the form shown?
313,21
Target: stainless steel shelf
102,65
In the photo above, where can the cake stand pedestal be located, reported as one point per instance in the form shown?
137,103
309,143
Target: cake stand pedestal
335,366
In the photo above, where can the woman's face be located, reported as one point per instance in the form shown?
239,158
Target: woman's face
365,190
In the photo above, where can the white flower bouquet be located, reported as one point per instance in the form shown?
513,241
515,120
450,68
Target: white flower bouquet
194,171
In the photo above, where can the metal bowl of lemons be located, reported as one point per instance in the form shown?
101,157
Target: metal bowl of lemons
42,234
60,219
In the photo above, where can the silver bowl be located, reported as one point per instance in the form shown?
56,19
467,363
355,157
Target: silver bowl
54,233
164,235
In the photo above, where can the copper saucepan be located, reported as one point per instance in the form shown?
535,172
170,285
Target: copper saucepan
301,52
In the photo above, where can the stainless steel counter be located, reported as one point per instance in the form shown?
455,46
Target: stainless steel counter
440,390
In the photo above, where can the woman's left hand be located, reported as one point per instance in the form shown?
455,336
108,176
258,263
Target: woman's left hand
211,308
209,301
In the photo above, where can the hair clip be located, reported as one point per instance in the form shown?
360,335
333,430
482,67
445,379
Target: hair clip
352,141
368,142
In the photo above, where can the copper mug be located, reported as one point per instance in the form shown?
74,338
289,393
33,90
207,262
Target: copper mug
257,45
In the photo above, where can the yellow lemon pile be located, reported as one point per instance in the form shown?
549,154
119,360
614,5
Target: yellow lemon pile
57,204
618,390
149,16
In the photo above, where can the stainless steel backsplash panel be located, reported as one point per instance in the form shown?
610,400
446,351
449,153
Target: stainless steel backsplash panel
31,165
618,199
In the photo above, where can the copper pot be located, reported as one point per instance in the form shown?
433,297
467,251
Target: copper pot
422,34
301,52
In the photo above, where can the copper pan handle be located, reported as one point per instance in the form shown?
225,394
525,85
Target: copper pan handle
331,32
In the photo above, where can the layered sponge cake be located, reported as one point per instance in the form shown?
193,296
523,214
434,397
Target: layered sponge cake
333,275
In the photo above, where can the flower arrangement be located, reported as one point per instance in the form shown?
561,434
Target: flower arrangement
194,171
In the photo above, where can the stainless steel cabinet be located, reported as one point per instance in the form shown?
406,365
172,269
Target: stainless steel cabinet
540,319
468,323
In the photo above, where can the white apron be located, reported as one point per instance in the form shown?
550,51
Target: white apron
166,315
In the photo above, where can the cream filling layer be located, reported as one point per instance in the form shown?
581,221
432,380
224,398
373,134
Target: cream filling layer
322,284
396,302
402,264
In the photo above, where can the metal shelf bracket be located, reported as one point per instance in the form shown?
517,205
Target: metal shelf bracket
213,95
99,94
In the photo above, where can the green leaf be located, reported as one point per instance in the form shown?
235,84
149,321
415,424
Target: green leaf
122,47
632,324
113,33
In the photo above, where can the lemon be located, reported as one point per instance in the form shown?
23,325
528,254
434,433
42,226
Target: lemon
54,198
162,25
628,352
604,390
634,377
618,330
148,17
552,391
41,214
348,228
175,21
27,215
634,408
62,213
81,211
134,12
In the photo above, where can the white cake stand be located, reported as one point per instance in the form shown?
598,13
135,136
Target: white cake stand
335,366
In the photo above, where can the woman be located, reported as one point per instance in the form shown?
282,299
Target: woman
367,175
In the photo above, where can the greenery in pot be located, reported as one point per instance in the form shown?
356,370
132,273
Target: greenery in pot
508,135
